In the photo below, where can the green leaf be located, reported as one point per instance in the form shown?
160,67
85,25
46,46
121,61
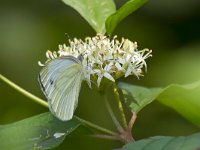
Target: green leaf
40,132
185,99
128,8
138,97
190,142
94,11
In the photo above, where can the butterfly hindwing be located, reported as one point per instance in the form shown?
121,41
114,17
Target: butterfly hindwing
65,97
61,81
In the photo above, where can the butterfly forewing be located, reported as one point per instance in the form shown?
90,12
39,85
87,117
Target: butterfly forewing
60,81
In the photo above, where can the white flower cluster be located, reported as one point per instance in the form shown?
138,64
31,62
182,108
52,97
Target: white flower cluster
105,57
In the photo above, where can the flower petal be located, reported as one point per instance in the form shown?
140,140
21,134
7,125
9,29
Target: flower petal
108,76
99,80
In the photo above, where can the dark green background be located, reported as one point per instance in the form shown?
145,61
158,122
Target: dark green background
171,28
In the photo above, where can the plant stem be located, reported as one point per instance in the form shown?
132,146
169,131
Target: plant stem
117,96
44,103
116,122
132,121
90,124
24,92
109,137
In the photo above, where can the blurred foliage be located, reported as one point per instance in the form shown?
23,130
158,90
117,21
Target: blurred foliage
170,28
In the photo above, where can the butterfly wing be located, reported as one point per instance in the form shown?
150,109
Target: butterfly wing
60,81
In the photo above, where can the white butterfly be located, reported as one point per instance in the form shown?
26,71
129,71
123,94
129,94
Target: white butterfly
60,81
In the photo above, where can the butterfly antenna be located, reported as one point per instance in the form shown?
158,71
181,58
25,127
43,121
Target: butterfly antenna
68,37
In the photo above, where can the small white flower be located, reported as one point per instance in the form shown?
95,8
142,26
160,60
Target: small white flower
105,72
103,57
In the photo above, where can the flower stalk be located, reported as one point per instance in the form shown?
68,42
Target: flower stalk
124,134
114,118
120,106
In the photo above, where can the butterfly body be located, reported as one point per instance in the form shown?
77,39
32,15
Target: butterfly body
60,81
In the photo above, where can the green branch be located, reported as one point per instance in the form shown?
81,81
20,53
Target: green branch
90,124
24,92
